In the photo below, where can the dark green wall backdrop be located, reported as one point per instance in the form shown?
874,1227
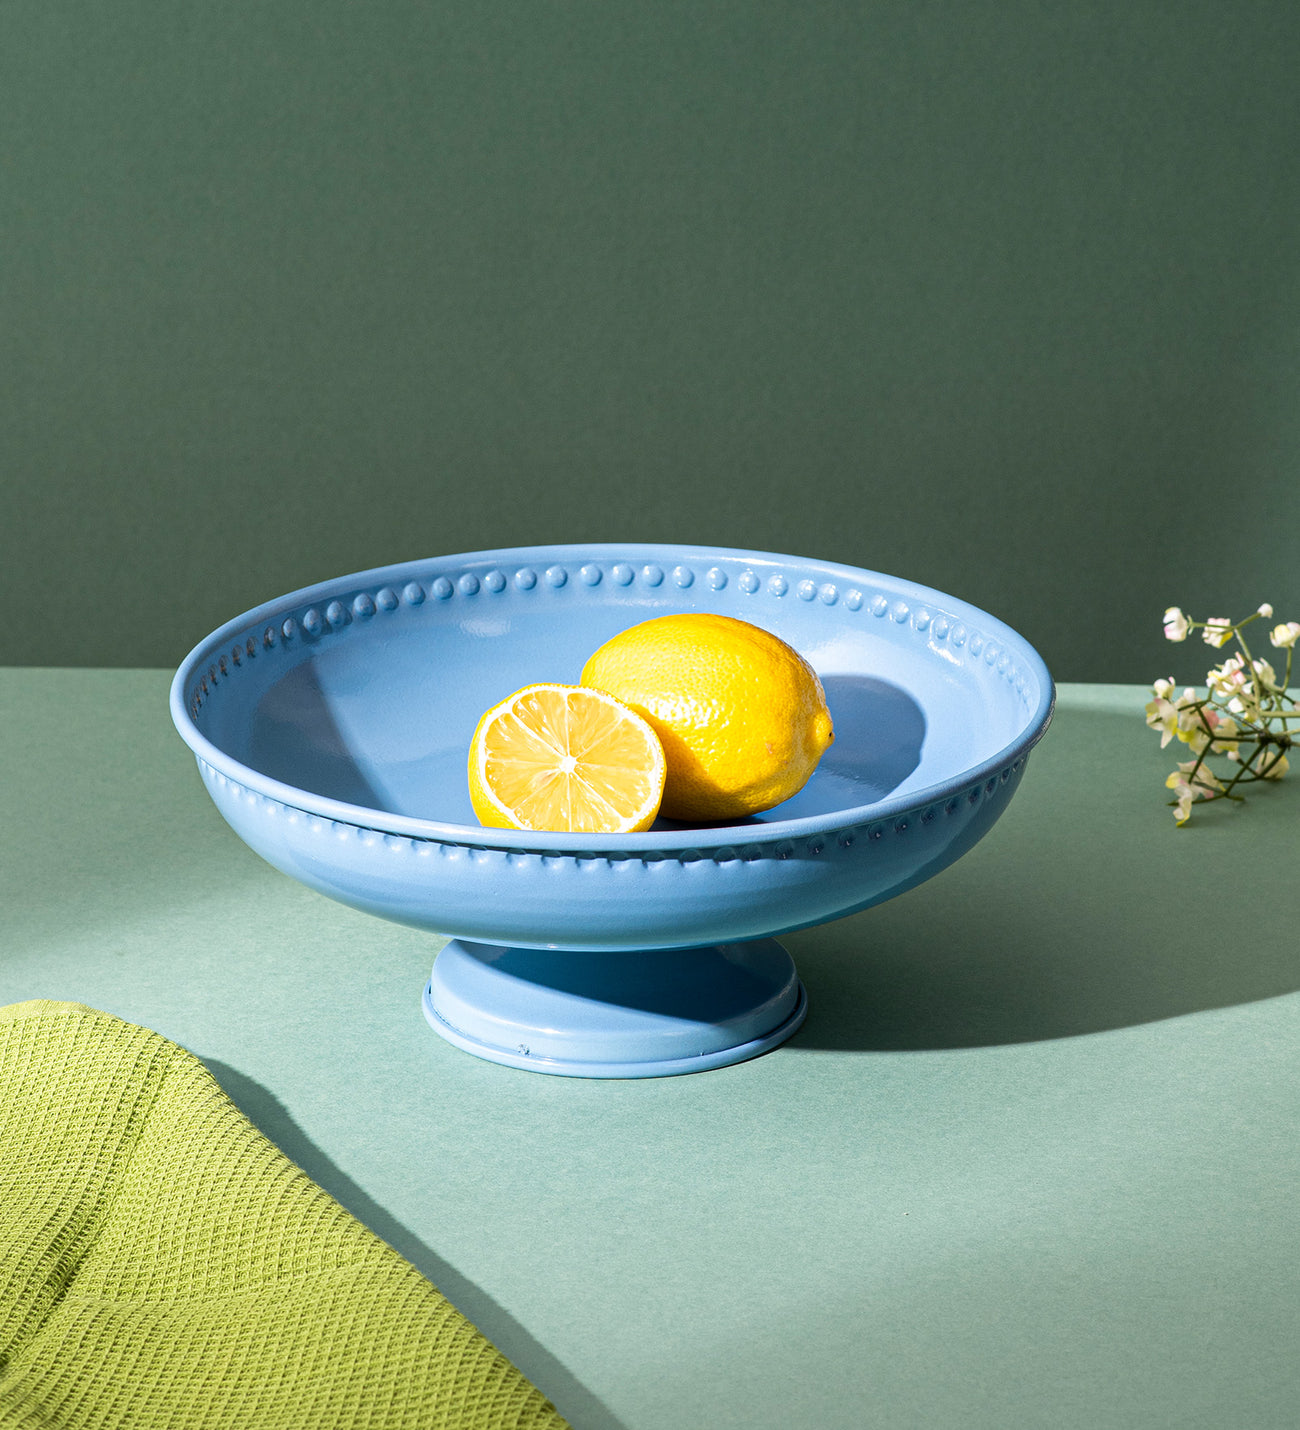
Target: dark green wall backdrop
1001,296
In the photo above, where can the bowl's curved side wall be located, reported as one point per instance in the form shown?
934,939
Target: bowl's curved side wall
680,898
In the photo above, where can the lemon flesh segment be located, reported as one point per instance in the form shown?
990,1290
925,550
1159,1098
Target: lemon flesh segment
568,760
741,715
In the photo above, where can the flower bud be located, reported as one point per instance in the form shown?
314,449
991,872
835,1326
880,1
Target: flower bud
1218,631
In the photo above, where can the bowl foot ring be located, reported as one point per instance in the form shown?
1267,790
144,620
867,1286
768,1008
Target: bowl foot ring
634,1013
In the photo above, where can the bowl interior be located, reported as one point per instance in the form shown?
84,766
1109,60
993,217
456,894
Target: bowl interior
365,692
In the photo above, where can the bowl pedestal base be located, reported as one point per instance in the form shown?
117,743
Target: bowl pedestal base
639,1013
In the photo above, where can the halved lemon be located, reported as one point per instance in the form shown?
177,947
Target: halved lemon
565,758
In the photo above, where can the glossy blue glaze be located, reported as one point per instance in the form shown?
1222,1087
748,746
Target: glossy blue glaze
652,1013
332,726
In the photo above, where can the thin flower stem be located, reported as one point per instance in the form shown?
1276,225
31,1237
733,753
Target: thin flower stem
1239,776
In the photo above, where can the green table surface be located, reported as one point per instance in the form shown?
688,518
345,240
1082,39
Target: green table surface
1032,1160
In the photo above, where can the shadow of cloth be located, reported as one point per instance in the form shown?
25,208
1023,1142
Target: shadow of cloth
573,1400
1084,909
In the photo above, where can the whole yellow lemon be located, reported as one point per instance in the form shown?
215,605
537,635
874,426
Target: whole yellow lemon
741,715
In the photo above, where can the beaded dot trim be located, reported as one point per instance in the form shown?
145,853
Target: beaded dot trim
863,836
313,624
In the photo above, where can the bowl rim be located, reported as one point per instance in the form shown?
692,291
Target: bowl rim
702,838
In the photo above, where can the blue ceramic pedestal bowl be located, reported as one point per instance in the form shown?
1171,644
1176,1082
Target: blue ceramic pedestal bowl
332,728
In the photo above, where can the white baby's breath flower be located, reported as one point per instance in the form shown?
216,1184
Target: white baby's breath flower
1225,731
1204,782
1239,686
1240,717
1228,679
1197,741
1188,788
1213,732
1218,631
1279,767
1176,625
1189,707
1162,715
1205,779
1173,717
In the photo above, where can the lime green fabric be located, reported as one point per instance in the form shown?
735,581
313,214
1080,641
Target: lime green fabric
163,1264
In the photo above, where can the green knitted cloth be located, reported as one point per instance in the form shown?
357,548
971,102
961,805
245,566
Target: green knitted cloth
163,1265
